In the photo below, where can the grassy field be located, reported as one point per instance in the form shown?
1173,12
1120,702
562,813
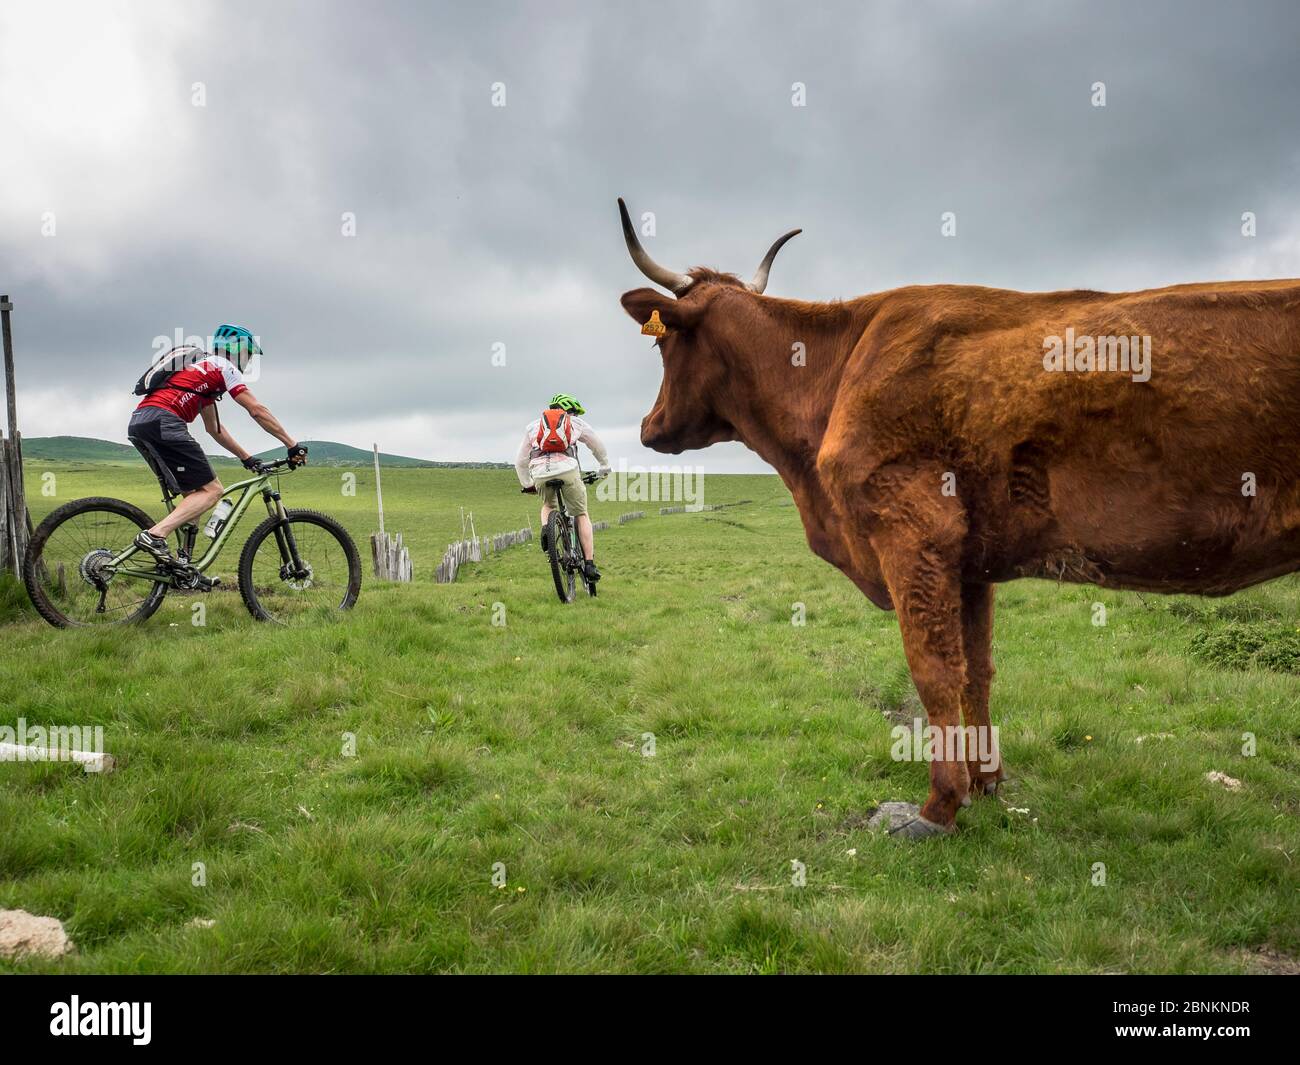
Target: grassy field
522,744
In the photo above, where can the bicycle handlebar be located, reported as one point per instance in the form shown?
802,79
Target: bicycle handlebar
268,467
590,477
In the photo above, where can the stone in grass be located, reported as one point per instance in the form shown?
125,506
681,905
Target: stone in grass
23,935
904,819
1231,783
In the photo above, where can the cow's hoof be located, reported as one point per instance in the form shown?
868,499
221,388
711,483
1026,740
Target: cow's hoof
903,819
920,828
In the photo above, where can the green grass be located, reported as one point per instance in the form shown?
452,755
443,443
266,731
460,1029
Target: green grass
521,745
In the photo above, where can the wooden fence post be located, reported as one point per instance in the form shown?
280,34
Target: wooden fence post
389,556
6,545
14,501
476,549
379,491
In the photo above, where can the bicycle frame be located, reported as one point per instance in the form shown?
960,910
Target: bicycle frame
259,484
571,524
573,555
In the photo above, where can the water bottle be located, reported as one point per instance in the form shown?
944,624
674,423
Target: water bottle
218,518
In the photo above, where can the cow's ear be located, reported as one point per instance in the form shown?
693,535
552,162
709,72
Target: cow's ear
641,302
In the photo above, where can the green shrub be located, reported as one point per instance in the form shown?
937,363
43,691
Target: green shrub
1250,645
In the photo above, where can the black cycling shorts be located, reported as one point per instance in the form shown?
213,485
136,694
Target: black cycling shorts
173,455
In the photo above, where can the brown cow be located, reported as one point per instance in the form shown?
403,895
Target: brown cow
934,449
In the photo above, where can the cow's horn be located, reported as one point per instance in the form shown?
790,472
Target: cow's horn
671,280
760,275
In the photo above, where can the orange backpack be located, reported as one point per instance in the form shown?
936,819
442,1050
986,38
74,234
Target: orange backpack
555,434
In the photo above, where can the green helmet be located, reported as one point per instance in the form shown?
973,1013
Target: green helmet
567,403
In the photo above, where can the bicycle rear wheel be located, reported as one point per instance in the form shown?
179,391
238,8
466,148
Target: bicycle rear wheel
65,570
559,546
330,578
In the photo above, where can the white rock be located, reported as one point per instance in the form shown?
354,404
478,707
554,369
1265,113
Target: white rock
23,934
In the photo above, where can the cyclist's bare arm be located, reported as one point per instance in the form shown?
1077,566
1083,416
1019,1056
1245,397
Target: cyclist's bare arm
262,415
218,433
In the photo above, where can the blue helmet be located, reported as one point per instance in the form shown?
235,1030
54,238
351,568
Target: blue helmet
236,343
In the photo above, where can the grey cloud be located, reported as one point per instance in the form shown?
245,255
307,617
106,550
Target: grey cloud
478,225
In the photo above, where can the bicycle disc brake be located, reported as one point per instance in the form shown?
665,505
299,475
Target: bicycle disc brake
297,579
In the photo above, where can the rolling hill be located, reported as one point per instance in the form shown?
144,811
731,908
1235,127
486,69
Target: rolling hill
323,453
331,453
77,449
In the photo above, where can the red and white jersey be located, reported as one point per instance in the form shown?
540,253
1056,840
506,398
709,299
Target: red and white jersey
212,376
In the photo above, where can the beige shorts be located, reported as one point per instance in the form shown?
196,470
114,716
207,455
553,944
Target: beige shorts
575,492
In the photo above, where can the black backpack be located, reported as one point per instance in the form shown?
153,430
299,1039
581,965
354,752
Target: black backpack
159,375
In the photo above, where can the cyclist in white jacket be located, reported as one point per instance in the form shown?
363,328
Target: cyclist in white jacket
549,452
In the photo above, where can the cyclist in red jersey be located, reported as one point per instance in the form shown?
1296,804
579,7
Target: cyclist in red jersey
159,430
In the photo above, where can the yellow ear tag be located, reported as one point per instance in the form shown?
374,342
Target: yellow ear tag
654,327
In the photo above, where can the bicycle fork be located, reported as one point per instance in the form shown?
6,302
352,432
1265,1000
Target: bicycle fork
292,566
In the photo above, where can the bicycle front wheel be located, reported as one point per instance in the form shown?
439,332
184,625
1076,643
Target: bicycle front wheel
66,569
300,569
559,547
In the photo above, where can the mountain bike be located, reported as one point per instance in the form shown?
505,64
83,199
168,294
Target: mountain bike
563,548
82,568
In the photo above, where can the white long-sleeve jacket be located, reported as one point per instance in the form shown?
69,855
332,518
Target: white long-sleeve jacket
533,466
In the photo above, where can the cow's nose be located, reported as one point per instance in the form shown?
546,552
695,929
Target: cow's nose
648,433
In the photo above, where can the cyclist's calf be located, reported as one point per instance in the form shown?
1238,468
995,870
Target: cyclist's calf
190,507
586,536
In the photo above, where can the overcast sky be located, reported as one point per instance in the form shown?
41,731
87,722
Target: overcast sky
479,225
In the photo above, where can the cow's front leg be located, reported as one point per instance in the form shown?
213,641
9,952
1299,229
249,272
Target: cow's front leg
918,542
983,759
927,596
905,527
